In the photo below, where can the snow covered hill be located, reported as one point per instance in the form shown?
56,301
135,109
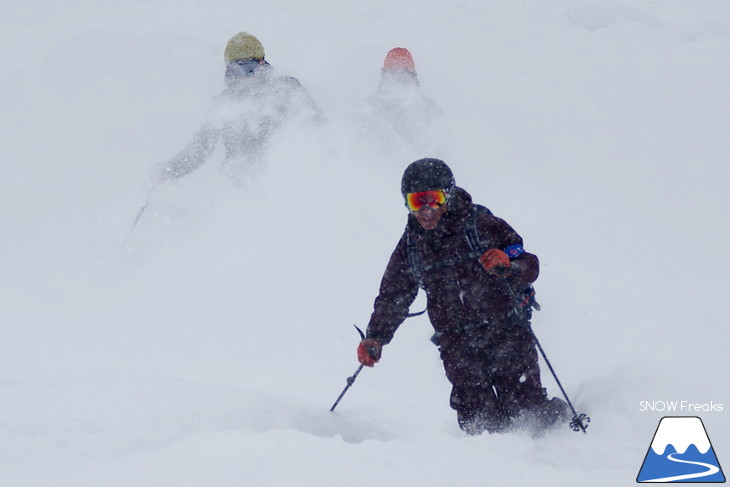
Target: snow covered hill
206,348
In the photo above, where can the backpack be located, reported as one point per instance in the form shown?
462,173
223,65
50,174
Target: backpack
524,298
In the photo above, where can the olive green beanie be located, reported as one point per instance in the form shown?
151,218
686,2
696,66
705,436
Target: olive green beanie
243,47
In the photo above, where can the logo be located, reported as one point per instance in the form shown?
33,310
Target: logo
681,452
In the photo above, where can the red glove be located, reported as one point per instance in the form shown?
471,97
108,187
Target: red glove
495,261
368,352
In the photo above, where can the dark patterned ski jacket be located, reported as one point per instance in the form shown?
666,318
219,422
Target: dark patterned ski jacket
460,293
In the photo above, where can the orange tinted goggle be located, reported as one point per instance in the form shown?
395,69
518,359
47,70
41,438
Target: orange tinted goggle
434,199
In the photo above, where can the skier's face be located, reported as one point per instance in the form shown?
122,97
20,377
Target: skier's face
241,73
429,217
398,79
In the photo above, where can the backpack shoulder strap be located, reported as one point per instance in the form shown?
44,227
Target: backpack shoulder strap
471,233
471,230
414,262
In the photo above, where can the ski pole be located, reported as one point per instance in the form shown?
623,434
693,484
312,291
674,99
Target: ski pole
577,422
351,379
141,210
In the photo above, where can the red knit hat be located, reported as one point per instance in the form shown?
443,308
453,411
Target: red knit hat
399,59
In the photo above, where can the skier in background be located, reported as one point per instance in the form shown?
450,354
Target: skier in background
255,103
477,277
398,118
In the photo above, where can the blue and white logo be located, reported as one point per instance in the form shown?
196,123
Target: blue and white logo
681,452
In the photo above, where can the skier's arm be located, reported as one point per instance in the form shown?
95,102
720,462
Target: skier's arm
524,267
305,101
398,289
194,155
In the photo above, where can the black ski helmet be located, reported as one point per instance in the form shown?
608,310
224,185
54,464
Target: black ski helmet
426,175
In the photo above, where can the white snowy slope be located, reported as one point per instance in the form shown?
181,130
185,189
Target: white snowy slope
208,350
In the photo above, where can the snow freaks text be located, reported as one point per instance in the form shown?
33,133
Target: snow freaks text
680,407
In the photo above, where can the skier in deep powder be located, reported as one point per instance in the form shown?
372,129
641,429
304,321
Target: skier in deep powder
398,118
255,104
478,304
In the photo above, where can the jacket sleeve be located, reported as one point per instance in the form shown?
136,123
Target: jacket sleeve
194,155
525,266
300,98
398,289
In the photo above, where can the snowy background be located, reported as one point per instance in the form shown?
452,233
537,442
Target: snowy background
206,348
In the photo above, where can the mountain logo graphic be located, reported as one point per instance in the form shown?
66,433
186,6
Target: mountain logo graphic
681,452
